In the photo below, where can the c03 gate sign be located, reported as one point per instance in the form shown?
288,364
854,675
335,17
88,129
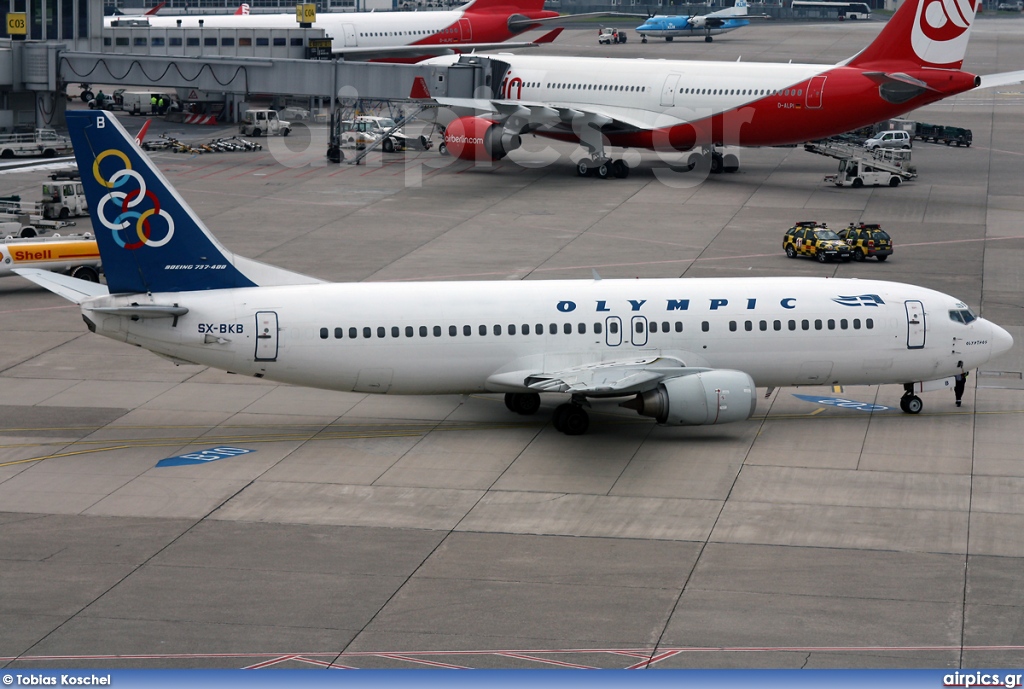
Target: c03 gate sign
17,23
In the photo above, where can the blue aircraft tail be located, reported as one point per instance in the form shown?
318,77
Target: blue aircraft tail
149,238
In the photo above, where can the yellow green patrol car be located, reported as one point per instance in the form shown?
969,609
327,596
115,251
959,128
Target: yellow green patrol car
815,240
867,240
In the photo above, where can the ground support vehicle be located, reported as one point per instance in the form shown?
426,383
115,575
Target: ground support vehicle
20,219
263,123
942,134
41,142
391,136
815,240
858,167
74,255
63,200
607,35
867,240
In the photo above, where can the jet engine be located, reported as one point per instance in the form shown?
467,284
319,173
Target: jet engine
699,399
479,139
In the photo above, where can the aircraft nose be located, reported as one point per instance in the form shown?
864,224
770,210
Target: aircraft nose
1002,341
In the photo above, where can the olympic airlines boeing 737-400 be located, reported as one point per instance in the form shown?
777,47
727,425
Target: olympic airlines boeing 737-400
683,351
677,106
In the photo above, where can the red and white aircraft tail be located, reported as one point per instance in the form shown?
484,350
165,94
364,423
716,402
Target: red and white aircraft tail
243,9
934,34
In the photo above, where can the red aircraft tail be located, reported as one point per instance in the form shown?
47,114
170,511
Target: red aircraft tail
505,6
922,33
549,36
243,9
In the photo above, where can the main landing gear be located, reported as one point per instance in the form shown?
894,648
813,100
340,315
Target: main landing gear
570,418
602,168
910,403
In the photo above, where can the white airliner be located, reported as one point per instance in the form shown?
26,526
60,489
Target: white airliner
397,36
683,351
678,106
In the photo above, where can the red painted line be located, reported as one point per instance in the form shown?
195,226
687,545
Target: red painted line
309,172
268,663
240,174
328,665
196,169
283,169
345,168
546,661
431,663
652,661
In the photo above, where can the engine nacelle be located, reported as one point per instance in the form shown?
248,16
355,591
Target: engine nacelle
478,139
696,22
699,399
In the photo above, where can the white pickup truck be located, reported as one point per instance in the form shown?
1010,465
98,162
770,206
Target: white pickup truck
263,123
42,142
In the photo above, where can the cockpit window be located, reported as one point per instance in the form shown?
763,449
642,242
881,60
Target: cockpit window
962,315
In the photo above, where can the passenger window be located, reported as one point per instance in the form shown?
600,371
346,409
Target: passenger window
748,326
567,328
467,330
338,332
437,331
639,326
353,333
732,326
679,326
664,326
805,324
705,326
856,324
597,328
367,333
452,331
381,332
777,325
423,331
497,329
395,332
843,324
538,328
869,323
323,333
817,324
763,325
652,326
553,328
792,325
582,328
408,331
512,329
613,327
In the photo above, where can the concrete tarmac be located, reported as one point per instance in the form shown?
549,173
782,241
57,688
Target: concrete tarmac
443,531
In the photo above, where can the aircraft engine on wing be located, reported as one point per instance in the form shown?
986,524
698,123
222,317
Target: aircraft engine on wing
479,139
699,399
696,22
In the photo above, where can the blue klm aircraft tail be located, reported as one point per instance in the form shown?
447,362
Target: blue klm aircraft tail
149,238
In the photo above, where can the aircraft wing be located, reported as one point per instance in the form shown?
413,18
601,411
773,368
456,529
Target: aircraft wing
1002,79
520,23
538,114
369,53
70,288
599,379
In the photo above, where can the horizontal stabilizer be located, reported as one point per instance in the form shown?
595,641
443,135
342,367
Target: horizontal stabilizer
988,81
143,310
70,288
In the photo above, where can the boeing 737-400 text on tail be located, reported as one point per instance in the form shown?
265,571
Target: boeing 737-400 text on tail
678,106
683,351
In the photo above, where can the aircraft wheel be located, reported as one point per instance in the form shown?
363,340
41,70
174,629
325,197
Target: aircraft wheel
603,171
583,168
620,169
708,39
525,403
558,415
911,404
643,39
575,421
668,39
87,273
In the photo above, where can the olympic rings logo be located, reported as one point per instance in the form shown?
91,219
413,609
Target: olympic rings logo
125,200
